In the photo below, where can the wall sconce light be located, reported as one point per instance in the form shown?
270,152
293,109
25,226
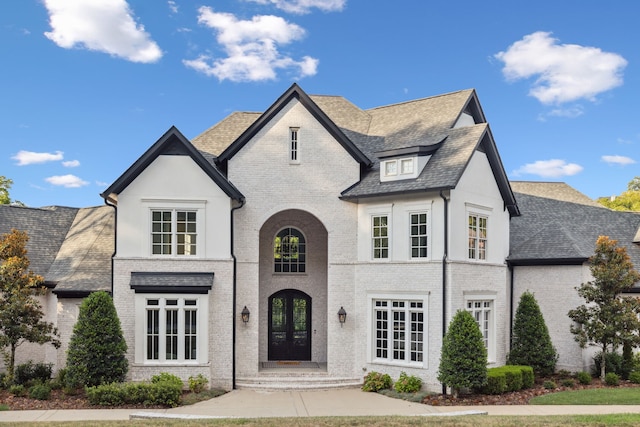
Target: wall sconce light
342,316
245,314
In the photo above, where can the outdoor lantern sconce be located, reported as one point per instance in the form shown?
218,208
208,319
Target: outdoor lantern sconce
245,314
342,316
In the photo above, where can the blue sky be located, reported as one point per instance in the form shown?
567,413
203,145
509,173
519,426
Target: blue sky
87,86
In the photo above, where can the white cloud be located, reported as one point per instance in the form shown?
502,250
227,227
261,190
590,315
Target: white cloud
102,25
618,160
67,181
252,48
553,168
71,164
173,7
305,6
564,72
31,158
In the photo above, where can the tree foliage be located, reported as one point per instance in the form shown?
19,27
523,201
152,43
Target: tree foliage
20,311
5,185
463,359
607,319
531,345
627,201
97,347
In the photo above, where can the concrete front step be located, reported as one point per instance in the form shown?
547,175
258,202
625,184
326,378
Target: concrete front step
290,381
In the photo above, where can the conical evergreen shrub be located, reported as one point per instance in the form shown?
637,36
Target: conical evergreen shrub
463,359
531,344
97,348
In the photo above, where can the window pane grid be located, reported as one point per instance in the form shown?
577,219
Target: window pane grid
418,232
170,322
481,311
173,232
400,339
293,147
289,251
477,237
380,236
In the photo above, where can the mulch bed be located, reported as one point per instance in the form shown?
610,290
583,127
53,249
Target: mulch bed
58,400
521,397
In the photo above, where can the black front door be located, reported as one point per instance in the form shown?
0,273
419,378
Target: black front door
289,325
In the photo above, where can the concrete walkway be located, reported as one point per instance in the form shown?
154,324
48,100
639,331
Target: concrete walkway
343,402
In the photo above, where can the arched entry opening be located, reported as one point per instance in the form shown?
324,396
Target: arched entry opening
293,286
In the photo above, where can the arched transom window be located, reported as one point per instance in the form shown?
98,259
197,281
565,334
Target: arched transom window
289,251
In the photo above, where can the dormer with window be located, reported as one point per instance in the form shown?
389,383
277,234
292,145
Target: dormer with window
405,163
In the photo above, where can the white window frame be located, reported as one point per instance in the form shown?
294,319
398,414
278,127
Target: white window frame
201,336
197,206
294,145
485,316
427,233
481,245
388,343
373,238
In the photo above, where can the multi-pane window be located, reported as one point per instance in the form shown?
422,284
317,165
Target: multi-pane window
481,310
399,330
477,237
380,236
294,148
418,235
289,251
173,232
171,329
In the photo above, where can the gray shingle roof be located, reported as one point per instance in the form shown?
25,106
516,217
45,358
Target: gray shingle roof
46,228
421,122
83,263
559,223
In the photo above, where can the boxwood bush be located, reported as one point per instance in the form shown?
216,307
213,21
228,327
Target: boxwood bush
162,393
508,378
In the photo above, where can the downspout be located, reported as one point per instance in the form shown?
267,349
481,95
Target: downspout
445,255
233,255
107,201
511,274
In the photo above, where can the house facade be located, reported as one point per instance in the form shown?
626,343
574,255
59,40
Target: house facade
315,242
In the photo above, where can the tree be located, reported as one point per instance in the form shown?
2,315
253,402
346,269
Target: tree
97,348
5,185
531,343
627,201
463,359
20,312
607,319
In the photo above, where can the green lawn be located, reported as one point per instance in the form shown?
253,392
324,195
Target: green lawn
594,396
617,420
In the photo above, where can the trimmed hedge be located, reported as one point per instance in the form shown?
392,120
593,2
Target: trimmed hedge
155,393
508,378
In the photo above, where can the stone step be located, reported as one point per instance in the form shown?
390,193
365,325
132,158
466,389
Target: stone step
291,381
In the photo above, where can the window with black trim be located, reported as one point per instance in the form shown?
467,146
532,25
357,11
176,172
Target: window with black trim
289,251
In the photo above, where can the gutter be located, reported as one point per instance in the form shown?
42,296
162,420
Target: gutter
235,268
445,256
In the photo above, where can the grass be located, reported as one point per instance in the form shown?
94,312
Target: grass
623,420
594,396
191,398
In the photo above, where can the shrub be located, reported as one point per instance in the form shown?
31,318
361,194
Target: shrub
549,385
528,378
568,382
165,377
165,393
584,378
531,345
627,360
634,377
514,379
407,383
198,384
30,373
375,381
612,379
496,383
463,359
97,348
58,380
18,390
40,392
613,363
106,394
